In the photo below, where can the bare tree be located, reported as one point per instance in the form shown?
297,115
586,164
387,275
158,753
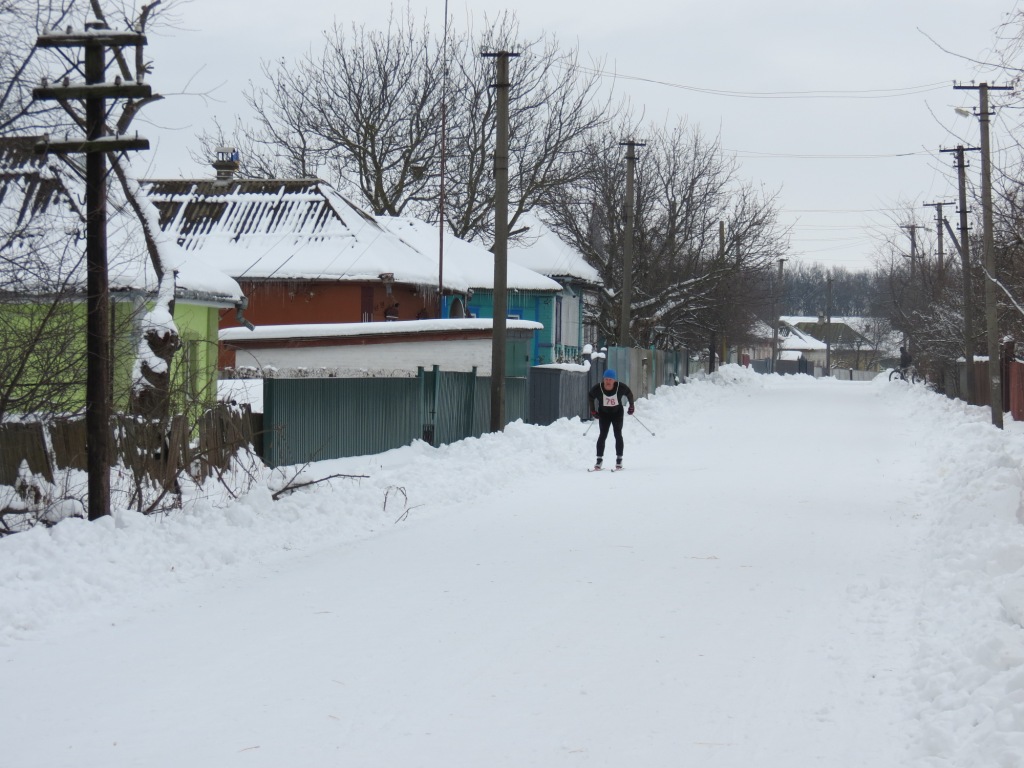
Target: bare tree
684,287
556,105
20,68
367,113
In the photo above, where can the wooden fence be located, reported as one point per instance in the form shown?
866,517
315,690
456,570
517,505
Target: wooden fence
159,451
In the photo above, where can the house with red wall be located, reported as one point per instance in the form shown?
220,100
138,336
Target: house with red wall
301,252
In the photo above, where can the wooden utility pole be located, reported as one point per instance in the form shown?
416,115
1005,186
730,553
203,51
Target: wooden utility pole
995,377
498,345
625,339
96,39
963,247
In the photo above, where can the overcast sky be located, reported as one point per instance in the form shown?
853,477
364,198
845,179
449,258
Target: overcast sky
881,153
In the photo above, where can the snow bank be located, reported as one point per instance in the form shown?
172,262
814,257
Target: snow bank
957,599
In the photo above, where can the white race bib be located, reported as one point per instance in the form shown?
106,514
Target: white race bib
612,400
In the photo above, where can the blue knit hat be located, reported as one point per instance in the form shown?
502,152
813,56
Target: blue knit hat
610,373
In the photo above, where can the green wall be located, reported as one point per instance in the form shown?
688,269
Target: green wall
526,305
193,370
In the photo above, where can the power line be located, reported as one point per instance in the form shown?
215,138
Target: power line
871,93
753,154
844,210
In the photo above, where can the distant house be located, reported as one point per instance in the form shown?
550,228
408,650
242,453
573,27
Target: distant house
43,224
543,251
854,342
758,349
795,345
530,295
301,252
312,263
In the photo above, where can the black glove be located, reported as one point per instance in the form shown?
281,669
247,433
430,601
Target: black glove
630,411
593,413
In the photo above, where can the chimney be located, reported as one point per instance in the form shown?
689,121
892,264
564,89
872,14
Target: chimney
226,163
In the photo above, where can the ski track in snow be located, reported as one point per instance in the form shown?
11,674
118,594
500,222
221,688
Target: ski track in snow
793,572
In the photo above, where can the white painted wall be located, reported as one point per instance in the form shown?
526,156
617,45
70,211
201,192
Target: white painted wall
374,359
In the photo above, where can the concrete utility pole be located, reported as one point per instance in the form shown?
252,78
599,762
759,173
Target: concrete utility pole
995,383
444,165
775,317
939,220
96,39
724,355
828,327
912,228
963,247
627,243
498,345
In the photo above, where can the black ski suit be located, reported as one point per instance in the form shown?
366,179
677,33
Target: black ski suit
607,405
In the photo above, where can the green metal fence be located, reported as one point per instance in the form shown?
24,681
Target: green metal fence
316,419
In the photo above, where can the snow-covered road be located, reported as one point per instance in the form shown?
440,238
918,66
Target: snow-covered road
790,572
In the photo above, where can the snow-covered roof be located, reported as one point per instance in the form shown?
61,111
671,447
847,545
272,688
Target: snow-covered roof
469,262
543,251
42,216
762,331
288,229
322,330
874,331
792,337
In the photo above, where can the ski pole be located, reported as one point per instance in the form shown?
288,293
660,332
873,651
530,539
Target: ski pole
588,428
640,422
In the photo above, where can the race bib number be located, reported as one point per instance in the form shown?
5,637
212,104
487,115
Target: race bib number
612,400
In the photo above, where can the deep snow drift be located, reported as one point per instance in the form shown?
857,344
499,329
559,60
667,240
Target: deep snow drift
790,572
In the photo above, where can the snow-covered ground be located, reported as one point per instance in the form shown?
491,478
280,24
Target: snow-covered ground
790,572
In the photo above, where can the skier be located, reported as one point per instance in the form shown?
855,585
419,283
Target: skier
607,401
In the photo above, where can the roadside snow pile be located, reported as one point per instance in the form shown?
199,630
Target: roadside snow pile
79,566
971,613
737,374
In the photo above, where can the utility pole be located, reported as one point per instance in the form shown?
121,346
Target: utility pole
776,320
939,220
721,304
912,228
444,163
828,327
995,383
963,247
498,345
95,39
627,243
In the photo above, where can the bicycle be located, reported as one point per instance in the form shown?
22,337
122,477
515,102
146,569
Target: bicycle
908,374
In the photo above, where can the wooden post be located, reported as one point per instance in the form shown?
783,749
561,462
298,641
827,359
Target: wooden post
98,386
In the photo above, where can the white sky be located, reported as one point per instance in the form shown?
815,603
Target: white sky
855,599
839,206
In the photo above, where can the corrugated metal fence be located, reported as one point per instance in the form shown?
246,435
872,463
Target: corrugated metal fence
316,419
644,370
